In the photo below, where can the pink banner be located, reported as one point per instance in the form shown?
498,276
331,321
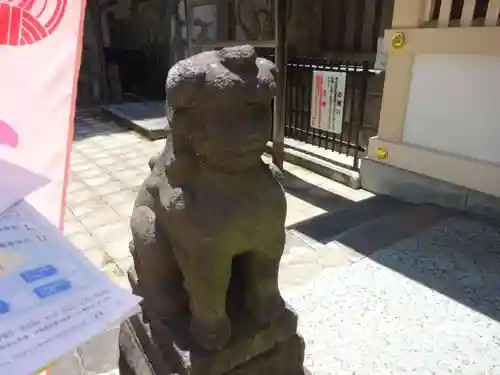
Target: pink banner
40,51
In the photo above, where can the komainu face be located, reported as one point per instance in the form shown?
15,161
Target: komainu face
229,145
222,100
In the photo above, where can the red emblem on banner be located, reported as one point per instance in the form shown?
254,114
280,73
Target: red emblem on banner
29,21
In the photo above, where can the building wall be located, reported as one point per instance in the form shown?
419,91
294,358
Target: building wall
439,112
453,105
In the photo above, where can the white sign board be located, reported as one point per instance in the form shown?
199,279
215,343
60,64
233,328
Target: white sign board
52,299
327,101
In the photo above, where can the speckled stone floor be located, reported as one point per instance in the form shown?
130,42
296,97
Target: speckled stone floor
426,305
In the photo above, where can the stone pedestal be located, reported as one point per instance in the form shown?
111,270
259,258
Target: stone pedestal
150,346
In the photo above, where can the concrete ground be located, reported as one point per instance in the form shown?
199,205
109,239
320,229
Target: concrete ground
429,304
381,286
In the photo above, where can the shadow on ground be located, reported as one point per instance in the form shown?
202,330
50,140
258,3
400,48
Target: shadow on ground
459,258
313,194
92,122
452,253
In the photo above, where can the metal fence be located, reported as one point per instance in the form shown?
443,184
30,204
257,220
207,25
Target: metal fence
299,87
142,72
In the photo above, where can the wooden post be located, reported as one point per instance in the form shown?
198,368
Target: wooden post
188,10
96,19
280,22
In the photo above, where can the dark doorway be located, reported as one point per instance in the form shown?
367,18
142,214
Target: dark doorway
139,47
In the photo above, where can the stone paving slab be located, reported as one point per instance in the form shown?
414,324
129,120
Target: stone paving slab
147,118
427,305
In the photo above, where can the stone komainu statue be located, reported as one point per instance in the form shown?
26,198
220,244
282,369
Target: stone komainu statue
212,213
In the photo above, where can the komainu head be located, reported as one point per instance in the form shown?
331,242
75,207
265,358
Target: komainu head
219,105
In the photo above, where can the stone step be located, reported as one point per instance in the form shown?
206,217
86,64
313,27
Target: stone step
345,237
389,229
326,163
342,242
363,232
324,228
147,118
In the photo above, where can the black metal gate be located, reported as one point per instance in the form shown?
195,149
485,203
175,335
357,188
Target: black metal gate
142,72
342,35
139,44
298,105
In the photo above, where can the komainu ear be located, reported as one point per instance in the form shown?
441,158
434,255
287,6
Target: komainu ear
183,84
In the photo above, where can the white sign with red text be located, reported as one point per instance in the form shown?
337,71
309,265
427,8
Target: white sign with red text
327,101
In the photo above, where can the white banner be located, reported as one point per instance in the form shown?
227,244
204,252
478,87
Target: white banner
327,101
40,49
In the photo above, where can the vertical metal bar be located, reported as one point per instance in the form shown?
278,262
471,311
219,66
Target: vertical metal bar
291,108
309,95
492,14
188,16
337,138
352,106
288,105
324,133
96,19
299,106
337,146
293,96
467,13
314,131
304,126
280,56
295,105
330,136
362,104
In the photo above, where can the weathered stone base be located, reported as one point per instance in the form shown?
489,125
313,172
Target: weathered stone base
285,358
262,353
298,153
381,178
152,346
